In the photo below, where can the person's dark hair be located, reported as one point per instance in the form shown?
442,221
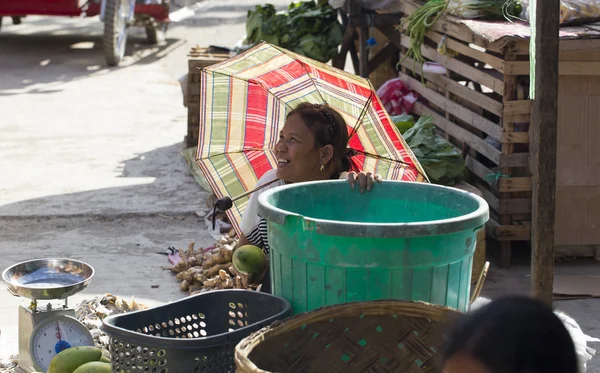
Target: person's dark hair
329,128
514,334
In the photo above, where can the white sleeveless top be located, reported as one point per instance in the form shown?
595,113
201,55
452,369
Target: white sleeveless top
253,226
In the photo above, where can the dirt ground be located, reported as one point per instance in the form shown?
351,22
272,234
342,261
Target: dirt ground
90,159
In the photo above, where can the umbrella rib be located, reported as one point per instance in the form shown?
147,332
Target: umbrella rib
360,117
312,80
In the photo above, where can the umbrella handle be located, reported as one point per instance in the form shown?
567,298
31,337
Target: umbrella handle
225,203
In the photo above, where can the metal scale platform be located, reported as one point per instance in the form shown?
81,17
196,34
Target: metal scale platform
45,330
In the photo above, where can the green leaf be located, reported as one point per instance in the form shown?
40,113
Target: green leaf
441,160
305,28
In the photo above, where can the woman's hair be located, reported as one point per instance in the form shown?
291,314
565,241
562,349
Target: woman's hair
514,334
329,128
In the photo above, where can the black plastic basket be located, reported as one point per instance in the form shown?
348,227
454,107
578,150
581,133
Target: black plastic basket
195,334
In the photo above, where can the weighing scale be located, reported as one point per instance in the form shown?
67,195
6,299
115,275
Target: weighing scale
44,331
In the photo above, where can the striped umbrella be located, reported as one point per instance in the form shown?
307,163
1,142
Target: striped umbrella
243,104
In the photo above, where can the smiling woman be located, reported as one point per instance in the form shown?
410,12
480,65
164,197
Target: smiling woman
313,145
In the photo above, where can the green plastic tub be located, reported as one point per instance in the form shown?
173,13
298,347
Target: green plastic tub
408,241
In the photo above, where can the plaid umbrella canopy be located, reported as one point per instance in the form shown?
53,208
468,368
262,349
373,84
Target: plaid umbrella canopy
243,104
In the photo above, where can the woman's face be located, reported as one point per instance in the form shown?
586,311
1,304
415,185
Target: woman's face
461,363
298,158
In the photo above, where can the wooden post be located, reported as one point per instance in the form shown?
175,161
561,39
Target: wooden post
544,61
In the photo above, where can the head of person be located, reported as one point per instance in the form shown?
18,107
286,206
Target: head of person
312,144
514,334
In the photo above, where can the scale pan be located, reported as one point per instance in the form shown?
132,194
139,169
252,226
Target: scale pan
47,278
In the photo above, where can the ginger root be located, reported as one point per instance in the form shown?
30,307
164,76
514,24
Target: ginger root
184,285
194,288
188,275
223,256
212,272
180,267
221,281
203,270
200,278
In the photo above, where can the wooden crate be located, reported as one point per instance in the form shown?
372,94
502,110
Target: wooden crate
484,99
199,58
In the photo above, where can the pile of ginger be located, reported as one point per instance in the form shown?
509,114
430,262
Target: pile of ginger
209,269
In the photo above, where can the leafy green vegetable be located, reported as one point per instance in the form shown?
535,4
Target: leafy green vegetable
442,161
306,28
403,121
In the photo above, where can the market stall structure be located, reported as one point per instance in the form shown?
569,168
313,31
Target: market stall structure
482,102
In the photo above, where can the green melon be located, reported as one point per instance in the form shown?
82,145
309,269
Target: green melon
249,259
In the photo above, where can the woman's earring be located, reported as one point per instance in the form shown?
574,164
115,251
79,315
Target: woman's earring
322,168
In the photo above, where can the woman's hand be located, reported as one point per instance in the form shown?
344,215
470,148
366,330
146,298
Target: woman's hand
252,281
365,181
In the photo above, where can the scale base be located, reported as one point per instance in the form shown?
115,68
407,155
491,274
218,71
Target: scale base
27,323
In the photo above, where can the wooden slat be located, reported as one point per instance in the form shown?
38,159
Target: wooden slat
516,107
516,67
564,68
453,108
516,118
461,134
514,206
579,44
514,184
575,68
515,138
458,67
509,232
505,205
458,89
480,170
514,160
489,197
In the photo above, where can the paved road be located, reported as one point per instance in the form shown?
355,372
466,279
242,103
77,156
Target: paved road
89,155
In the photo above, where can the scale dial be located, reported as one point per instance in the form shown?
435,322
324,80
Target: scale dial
55,334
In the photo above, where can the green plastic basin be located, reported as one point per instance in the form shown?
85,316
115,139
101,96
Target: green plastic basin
409,241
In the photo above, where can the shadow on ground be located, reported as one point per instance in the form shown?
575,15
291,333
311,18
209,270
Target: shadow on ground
40,62
164,185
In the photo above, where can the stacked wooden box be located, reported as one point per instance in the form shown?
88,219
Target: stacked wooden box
199,58
482,104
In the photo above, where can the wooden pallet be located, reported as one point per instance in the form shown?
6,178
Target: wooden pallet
199,58
483,99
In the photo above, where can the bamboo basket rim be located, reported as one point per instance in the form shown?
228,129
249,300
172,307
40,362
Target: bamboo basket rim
373,308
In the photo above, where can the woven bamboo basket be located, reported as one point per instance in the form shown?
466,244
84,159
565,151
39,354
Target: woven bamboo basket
380,336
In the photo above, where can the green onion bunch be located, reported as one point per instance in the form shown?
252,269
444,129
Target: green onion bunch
422,20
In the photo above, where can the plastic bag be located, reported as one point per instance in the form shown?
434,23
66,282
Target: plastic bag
396,97
572,11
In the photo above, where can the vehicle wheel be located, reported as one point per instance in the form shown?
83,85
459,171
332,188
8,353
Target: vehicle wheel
115,30
156,33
